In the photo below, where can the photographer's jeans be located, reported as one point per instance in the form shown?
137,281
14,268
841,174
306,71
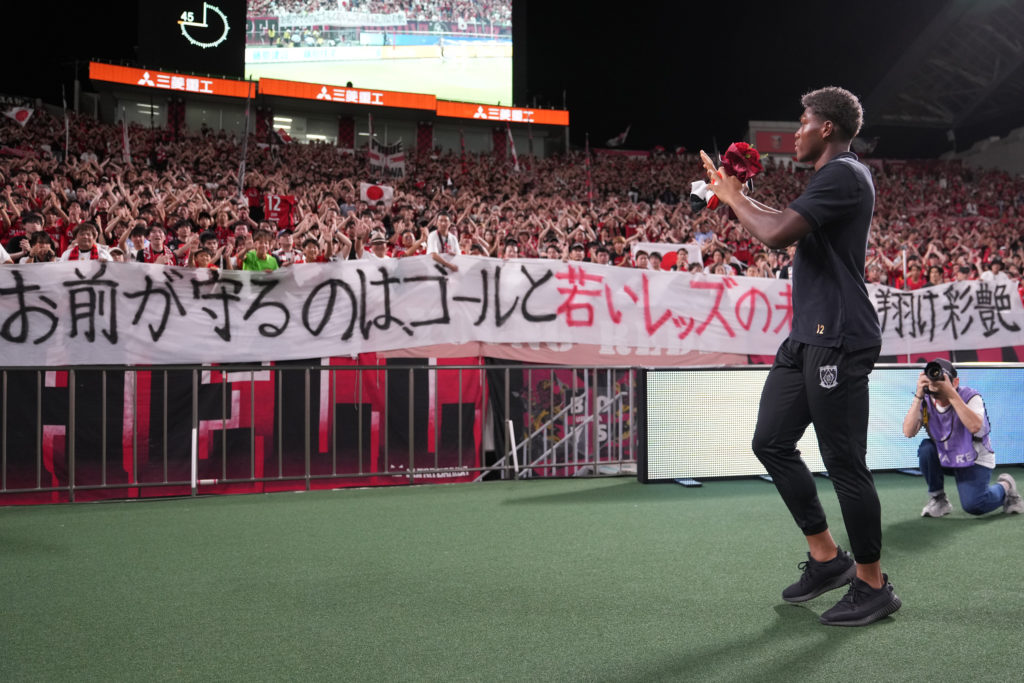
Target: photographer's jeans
977,497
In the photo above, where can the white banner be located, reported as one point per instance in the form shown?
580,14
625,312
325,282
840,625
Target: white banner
340,18
90,313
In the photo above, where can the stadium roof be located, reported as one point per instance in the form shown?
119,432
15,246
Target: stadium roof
965,68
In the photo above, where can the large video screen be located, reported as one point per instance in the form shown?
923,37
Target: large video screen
193,36
457,51
699,423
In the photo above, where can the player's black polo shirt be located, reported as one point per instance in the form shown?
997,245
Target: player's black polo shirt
830,301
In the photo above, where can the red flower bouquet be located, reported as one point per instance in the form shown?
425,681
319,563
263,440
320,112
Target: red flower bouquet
742,160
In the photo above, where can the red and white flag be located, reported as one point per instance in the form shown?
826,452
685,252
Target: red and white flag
620,139
375,194
389,158
19,114
512,144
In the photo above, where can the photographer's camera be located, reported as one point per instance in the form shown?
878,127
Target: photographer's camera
934,371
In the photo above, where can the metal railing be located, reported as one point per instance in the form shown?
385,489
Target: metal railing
82,433
584,438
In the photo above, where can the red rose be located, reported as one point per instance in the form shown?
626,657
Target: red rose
742,160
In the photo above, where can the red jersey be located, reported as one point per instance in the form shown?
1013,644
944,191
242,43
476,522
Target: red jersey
148,255
254,196
222,232
280,209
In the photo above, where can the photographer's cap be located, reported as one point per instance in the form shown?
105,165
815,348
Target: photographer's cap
946,366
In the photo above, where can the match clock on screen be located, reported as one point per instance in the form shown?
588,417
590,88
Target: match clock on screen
206,29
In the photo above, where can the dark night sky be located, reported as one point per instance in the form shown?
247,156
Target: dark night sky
680,73
683,72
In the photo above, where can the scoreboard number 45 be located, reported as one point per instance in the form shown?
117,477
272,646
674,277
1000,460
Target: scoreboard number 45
214,24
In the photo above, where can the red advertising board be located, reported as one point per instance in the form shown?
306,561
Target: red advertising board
487,112
165,80
333,93
775,142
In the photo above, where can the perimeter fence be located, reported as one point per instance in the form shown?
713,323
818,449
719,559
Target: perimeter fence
85,433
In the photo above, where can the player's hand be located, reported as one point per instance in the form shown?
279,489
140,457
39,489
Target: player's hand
726,187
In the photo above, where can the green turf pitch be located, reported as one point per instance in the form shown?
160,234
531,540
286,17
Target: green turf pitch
570,580
486,80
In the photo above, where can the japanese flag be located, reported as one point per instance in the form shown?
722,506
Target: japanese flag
374,194
19,114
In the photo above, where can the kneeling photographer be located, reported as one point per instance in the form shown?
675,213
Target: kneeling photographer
957,445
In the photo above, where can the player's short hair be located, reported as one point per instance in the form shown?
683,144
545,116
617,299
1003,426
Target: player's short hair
838,105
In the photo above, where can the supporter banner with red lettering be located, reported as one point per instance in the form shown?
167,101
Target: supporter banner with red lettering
90,313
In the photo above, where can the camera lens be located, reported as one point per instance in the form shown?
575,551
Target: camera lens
933,371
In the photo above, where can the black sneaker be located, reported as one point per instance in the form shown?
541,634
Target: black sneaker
863,604
821,577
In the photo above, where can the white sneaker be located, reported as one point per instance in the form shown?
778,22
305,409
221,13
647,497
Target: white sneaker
1012,504
939,506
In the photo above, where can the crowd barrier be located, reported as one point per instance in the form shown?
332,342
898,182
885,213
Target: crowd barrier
76,434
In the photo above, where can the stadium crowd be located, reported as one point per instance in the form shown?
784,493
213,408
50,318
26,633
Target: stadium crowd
450,17
178,203
475,11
